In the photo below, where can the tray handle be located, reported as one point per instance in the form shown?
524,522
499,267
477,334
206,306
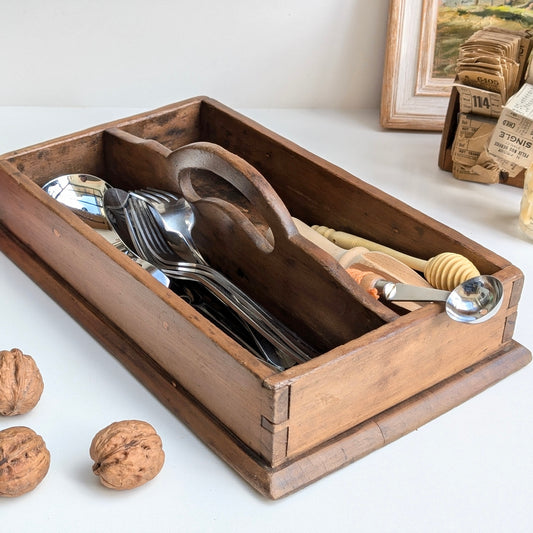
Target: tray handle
245,179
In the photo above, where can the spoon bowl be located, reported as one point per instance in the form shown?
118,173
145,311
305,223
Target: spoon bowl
84,194
176,218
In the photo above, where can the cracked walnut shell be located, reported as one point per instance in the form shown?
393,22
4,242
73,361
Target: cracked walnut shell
127,454
24,461
21,383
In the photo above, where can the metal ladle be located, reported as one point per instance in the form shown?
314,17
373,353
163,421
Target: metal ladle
473,301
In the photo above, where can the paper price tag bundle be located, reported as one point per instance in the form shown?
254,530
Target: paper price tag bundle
479,102
491,60
490,68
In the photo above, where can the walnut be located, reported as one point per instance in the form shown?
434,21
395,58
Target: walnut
24,461
127,454
21,384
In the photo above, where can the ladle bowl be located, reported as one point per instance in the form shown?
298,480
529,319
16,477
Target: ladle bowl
475,300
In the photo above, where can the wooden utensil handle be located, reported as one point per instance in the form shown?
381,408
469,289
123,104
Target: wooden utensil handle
347,241
363,259
344,257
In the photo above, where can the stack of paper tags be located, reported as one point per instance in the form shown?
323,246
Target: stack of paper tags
490,60
490,69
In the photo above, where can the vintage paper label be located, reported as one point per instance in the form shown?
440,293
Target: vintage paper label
493,82
465,173
489,165
478,101
473,133
512,139
471,159
522,102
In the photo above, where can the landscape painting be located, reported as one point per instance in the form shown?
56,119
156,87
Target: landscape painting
458,19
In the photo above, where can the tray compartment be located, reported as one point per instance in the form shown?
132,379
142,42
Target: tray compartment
179,339
316,191
296,281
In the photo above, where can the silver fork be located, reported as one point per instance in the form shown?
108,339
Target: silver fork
115,201
256,345
151,244
167,210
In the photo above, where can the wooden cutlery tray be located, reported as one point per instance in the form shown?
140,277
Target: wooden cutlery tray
381,373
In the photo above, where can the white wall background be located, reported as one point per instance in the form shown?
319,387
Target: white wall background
246,53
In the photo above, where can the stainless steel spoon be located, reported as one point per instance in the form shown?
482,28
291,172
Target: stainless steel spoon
83,194
474,301
176,218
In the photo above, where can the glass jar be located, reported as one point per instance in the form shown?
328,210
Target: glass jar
526,205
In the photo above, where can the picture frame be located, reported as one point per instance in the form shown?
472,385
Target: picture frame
423,41
412,98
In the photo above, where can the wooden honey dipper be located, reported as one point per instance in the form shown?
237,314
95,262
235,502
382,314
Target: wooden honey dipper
445,271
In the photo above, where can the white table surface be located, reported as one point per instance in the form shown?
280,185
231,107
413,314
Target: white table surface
469,470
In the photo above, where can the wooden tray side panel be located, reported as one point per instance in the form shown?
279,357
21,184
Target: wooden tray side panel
320,193
83,151
386,367
79,153
397,421
202,359
172,126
